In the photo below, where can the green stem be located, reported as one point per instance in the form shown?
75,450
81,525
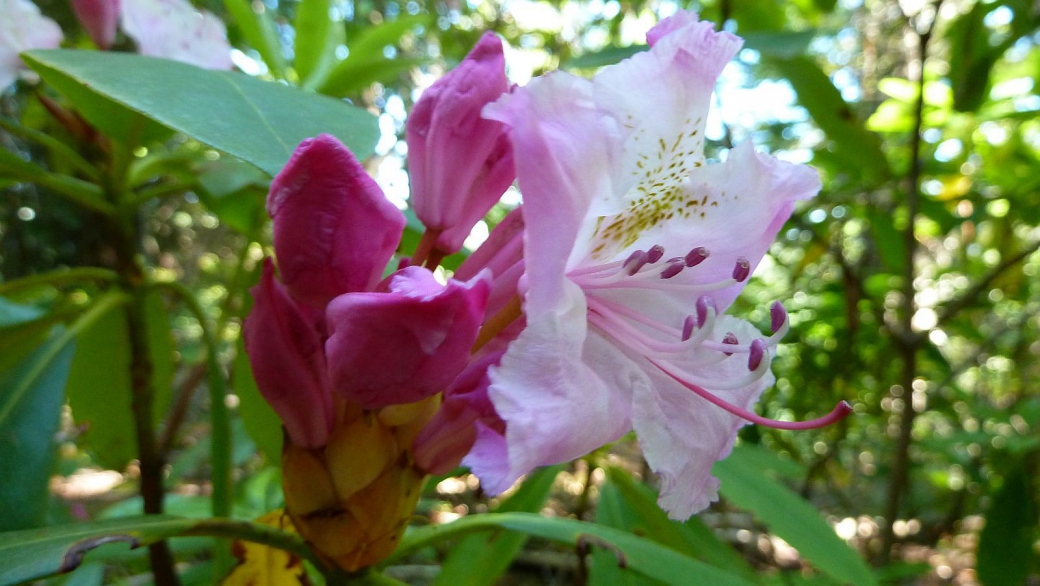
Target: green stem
220,418
60,276
78,191
58,148
160,190
103,305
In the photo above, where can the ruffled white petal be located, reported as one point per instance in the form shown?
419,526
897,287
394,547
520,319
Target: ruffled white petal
561,393
683,435
22,27
174,29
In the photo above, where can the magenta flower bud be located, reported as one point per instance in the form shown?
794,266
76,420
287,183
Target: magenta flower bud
334,231
741,270
288,360
100,18
404,344
448,437
756,354
460,164
778,316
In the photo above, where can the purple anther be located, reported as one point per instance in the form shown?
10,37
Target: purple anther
687,327
741,270
778,315
696,256
674,267
634,262
731,339
757,353
654,254
703,304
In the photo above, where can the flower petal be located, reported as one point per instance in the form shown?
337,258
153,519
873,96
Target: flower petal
285,351
449,436
174,29
334,230
752,190
561,394
403,345
459,163
23,27
682,435
566,160
100,18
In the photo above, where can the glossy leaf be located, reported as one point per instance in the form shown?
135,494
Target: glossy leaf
791,518
99,386
27,430
634,553
643,516
256,121
859,148
261,422
1005,554
480,559
259,31
37,553
317,37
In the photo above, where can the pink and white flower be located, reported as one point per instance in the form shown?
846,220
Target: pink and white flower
634,247
23,28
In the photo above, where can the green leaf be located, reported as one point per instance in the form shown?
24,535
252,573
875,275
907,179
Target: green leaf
634,553
38,553
354,74
604,57
27,430
261,422
317,37
790,517
235,192
366,63
692,538
780,44
859,148
259,31
257,121
888,240
613,511
99,386
1005,554
479,559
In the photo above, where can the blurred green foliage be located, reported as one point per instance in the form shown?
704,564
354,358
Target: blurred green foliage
931,169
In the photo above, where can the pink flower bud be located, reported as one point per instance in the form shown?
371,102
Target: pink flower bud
405,344
100,18
334,231
459,163
285,351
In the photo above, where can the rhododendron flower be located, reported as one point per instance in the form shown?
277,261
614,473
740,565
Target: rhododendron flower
22,27
100,18
459,164
332,327
633,249
174,29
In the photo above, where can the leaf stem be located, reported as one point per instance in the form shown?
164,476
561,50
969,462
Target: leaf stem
59,276
58,148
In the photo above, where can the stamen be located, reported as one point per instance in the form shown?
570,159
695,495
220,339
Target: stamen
778,316
655,253
730,339
839,412
758,351
675,266
634,262
696,256
689,323
704,303
741,270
